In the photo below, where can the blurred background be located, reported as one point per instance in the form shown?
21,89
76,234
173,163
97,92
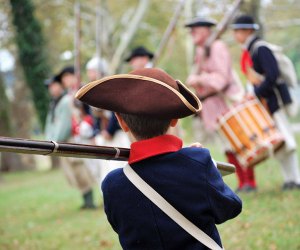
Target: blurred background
38,38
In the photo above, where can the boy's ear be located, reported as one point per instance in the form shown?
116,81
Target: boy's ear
173,122
122,123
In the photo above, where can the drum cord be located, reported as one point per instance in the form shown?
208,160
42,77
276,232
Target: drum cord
269,147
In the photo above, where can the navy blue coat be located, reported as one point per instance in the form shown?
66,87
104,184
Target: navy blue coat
113,125
189,181
265,64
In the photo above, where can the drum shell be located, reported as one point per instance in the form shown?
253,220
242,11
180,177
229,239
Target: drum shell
250,131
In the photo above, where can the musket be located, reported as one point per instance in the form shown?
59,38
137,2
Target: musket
222,26
39,147
77,40
168,32
219,30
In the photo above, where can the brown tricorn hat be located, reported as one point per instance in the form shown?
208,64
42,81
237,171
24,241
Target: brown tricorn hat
149,91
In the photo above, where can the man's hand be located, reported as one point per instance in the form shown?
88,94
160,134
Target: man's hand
254,77
193,81
106,135
196,145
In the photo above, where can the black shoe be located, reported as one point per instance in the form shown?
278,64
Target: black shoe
238,190
288,185
296,185
246,189
85,206
88,201
249,189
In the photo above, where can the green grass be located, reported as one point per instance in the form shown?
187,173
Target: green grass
38,210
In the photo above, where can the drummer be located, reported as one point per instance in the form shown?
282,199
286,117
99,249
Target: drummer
262,71
215,84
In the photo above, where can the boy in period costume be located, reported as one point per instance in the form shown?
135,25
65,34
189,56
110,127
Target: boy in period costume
147,102
261,68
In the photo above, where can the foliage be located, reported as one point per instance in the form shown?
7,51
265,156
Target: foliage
5,126
30,41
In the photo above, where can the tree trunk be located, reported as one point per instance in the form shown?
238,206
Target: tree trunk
128,35
24,116
32,55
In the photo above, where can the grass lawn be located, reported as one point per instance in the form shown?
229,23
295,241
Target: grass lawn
38,210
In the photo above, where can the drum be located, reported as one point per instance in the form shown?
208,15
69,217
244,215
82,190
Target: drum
250,131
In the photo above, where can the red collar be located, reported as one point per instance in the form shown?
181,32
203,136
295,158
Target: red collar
246,61
155,146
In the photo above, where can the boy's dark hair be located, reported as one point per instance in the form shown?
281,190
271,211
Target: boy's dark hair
145,127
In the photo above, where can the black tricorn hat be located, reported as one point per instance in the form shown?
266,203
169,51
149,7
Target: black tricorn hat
68,69
139,51
201,22
148,91
244,22
51,80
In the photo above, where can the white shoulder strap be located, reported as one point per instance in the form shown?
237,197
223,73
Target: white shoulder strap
168,209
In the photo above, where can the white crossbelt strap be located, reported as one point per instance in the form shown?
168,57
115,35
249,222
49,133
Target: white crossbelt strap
169,210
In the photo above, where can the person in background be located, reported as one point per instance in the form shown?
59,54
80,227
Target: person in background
60,120
261,69
59,117
107,130
97,68
140,58
216,86
69,80
84,173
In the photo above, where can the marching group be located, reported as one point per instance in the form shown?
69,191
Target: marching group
215,84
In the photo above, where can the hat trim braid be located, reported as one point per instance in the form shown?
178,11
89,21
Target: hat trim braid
254,26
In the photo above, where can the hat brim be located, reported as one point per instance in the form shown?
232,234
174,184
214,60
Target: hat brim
199,24
140,95
128,59
241,26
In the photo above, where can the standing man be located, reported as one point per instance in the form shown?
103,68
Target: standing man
107,131
140,58
59,117
68,79
261,68
58,128
215,84
96,68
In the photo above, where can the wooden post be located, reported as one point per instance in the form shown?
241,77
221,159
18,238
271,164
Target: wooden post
77,43
128,35
168,32
99,27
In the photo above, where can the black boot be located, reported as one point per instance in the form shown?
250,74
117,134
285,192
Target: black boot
88,200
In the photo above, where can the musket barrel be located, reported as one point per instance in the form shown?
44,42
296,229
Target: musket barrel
17,145
25,146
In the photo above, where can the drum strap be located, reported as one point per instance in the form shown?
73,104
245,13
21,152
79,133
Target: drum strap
169,210
202,98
